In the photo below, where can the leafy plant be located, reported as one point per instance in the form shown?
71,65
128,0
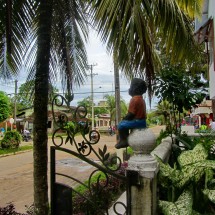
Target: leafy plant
4,106
162,135
12,139
101,196
193,170
183,205
178,90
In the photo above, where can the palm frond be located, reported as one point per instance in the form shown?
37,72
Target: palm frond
17,15
68,54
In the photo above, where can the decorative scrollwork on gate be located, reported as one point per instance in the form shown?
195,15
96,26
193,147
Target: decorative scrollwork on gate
72,121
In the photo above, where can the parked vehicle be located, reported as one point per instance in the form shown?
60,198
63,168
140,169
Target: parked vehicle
26,135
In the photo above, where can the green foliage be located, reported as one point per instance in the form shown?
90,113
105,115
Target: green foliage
207,139
70,126
183,205
25,96
101,196
110,106
5,110
178,90
11,139
162,135
210,194
194,169
15,150
154,119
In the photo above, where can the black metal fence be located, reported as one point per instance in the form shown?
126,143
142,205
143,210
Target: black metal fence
105,180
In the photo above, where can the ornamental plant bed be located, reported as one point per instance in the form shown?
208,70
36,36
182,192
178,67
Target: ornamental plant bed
104,191
187,186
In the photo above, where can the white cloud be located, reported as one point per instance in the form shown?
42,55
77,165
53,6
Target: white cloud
103,82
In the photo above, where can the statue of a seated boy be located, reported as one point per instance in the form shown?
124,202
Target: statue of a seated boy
136,116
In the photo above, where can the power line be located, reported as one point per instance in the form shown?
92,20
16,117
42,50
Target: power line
111,91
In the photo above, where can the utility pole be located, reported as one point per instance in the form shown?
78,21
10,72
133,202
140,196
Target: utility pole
15,102
92,96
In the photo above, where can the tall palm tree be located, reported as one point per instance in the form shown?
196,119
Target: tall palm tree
110,100
131,29
59,25
50,34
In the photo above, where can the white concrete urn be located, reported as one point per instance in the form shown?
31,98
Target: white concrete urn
142,141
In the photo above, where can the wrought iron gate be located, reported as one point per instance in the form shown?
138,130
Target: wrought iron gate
66,197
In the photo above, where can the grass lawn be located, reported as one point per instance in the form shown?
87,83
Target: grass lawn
21,148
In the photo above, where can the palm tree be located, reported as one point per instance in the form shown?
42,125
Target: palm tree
58,34
49,33
164,109
132,31
110,100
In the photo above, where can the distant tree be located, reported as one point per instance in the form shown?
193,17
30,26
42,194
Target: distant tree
163,109
181,89
153,118
5,109
86,102
100,110
111,106
124,107
25,96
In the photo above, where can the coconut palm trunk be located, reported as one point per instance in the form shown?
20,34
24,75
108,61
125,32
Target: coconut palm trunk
40,109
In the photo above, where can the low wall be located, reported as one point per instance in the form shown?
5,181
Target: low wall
163,150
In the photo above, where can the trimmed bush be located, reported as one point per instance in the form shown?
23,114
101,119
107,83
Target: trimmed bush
11,139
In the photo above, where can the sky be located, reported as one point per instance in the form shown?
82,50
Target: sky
103,80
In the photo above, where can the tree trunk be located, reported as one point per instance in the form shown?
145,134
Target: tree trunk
40,109
213,108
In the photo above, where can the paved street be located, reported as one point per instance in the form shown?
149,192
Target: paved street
16,172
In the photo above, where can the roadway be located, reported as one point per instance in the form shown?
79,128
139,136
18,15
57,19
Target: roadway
16,172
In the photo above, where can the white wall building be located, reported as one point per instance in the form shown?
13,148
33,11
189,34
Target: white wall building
205,31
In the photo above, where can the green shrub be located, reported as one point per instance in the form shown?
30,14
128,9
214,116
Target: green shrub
103,192
190,182
11,139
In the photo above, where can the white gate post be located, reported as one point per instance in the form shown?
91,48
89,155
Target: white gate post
142,173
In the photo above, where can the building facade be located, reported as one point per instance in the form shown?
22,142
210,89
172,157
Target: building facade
204,32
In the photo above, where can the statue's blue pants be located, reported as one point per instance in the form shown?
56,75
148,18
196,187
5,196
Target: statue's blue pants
132,124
